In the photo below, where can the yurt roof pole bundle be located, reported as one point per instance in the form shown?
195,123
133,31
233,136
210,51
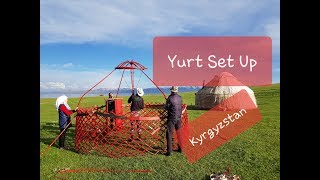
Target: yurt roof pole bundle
127,65
132,65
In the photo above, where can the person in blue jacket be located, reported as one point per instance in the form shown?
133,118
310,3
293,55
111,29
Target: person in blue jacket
64,112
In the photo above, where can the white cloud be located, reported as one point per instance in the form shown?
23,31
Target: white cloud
52,78
43,85
67,65
57,85
272,29
130,22
52,85
135,23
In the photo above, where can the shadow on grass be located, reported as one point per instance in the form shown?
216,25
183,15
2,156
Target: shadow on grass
206,177
50,131
193,107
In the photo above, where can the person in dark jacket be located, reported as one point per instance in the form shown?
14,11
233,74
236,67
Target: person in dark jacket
110,102
137,104
174,107
64,112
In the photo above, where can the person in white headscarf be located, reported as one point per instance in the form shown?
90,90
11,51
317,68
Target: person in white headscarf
64,112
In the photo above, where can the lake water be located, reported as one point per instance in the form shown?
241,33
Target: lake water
72,95
123,93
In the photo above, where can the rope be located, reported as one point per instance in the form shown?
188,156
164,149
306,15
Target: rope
132,80
124,79
48,147
87,170
101,170
154,84
139,79
120,83
57,137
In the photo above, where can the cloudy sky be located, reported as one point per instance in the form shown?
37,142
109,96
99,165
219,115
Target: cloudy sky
81,41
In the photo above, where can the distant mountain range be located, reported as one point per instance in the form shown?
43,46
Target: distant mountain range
105,91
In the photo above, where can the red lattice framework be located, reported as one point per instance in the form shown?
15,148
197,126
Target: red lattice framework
109,133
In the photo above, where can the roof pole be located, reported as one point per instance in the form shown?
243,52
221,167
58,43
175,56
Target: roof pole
132,78
120,83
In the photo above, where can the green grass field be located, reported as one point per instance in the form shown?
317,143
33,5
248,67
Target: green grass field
254,154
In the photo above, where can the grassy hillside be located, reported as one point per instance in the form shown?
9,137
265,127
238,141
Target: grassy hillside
254,154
